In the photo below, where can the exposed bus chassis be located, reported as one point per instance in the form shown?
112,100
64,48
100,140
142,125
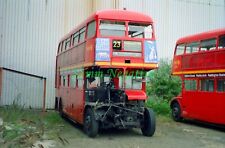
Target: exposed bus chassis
110,108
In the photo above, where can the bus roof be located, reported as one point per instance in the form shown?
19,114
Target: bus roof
125,15
201,36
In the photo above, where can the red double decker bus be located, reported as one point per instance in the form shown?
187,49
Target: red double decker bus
100,72
199,60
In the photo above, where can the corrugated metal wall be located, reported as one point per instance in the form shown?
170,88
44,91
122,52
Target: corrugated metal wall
30,33
30,29
22,90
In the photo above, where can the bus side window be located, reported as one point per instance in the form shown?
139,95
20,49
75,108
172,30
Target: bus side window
80,81
180,49
63,80
59,47
73,81
207,85
68,80
221,85
82,35
192,47
190,85
62,46
207,45
75,38
91,30
221,42
67,44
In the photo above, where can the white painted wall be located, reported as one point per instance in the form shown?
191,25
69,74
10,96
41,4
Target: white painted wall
30,29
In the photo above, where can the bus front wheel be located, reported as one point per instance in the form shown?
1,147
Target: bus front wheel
90,124
148,125
176,112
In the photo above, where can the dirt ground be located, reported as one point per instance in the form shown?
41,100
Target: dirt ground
169,134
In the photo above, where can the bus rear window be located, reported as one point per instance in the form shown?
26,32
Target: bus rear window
192,47
110,28
209,44
221,42
180,49
137,30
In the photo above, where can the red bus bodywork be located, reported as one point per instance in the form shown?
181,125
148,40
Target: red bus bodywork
81,57
199,60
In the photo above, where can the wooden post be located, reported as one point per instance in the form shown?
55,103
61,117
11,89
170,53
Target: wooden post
44,96
1,79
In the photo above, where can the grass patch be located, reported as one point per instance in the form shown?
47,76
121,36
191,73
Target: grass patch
22,127
161,107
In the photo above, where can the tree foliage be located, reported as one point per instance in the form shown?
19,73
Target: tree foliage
161,84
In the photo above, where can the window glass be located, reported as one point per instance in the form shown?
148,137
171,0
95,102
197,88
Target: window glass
64,81
137,82
94,83
137,30
73,81
110,28
221,42
207,85
221,85
91,29
59,47
190,84
192,47
63,46
180,49
67,44
120,82
132,46
128,82
82,35
133,82
75,38
207,45
80,81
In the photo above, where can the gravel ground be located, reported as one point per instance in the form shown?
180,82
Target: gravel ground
168,134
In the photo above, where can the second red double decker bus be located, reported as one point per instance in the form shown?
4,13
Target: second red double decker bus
100,72
199,60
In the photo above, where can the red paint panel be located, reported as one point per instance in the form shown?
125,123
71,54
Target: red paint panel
136,94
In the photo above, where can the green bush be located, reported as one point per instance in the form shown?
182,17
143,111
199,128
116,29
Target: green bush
159,106
162,87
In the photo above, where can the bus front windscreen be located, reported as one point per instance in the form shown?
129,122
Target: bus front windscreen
112,28
118,28
138,30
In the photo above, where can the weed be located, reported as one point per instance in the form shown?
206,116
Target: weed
23,127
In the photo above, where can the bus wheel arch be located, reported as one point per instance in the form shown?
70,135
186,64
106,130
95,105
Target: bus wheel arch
176,111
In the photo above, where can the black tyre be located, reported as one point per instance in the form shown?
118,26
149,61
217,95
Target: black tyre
56,103
90,124
148,125
176,112
60,108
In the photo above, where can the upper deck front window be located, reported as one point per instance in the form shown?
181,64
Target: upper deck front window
112,28
138,30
